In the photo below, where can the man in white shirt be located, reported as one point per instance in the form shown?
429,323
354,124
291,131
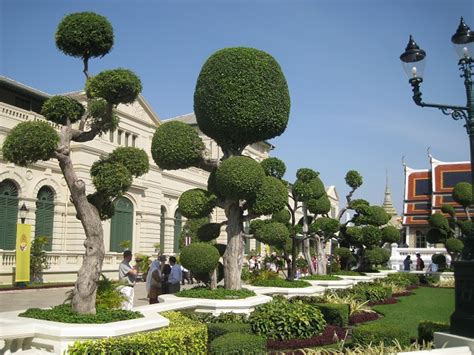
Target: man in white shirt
174,280
128,276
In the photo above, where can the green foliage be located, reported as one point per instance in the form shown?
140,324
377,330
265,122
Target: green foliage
134,159
238,343
324,226
439,259
110,179
103,203
209,231
373,215
345,257
402,279
390,234
373,333
220,293
271,197
334,314
438,220
272,233
191,227
196,203
102,115
321,205
454,245
38,259
464,226
321,278
435,235
29,142
108,296
215,330
176,145
377,256
241,97
199,257
183,336
354,235
462,194
370,292
65,314
445,208
304,190
59,109
306,174
274,167
85,35
239,177
282,216
371,235
353,179
117,86
426,330
281,319
277,282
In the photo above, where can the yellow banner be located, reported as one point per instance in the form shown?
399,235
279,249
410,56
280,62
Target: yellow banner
23,247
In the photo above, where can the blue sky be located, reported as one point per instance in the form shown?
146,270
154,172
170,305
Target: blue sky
351,102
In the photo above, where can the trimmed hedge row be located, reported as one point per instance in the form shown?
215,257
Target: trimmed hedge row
426,330
238,343
183,336
373,333
215,330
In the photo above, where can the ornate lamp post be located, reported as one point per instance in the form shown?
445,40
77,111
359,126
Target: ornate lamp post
23,213
413,61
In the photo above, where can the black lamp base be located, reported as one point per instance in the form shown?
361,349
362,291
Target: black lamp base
462,320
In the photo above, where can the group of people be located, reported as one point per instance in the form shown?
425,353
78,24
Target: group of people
162,278
420,264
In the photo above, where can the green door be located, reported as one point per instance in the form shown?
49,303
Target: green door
8,214
178,226
44,220
122,224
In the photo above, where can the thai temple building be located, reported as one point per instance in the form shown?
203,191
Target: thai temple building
426,190
147,215
390,208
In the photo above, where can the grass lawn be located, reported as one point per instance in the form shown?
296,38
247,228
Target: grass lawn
434,304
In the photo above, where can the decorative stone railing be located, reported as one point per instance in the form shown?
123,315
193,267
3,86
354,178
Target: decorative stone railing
399,254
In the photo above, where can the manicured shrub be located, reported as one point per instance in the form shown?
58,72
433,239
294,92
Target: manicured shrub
440,260
238,344
353,179
371,292
273,167
183,336
271,197
217,294
134,159
215,330
176,145
322,278
349,273
374,333
454,245
334,314
462,193
321,205
272,233
426,329
330,335
346,258
281,319
65,314
402,279
209,231
390,234
196,203
376,256
110,179
59,109
199,257
29,142
241,97
362,317
282,216
371,235
281,283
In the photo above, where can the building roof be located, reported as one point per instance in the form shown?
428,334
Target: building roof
15,85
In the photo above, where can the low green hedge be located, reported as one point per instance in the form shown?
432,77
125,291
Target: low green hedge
281,283
334,314
215,330
183,336
426,330
375,333
220,293
321,278
65,314
371,292
238,343
403,279
349,273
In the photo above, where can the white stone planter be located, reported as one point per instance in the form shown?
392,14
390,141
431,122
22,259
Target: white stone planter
357,279
286,291
377,275
332,284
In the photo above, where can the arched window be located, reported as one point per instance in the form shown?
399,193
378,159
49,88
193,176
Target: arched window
44,220
178,222
121,224
420,239
8,214
162,228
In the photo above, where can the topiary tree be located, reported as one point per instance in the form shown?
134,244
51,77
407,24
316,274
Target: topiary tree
241,98
85,35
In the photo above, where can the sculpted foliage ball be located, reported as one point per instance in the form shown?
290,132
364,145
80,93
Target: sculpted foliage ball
390,234
58,109
353,179
271,197
241,97
134,159
200,258
117,86
274,167
110,179
176,145
272,233
462,193
239,177
438,220
324,225
85,35
321,205
196,203
454,245
29,142
371,236
435,235
306,174
209,231
282,216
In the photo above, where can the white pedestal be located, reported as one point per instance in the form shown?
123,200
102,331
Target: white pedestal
451,340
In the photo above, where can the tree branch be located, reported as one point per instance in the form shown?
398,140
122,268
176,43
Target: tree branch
208,164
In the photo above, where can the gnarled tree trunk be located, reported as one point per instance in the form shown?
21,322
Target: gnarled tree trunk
321,257
306,244
233,256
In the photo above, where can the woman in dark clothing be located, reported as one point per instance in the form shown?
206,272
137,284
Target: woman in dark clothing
166,273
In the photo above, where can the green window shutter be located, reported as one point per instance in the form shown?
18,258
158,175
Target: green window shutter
162,228
8,214
247,240
121,224
177,230
44,221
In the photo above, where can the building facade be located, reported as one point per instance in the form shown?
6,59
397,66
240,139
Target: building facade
147,214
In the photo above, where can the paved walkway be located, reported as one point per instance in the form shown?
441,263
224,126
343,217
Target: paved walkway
42,298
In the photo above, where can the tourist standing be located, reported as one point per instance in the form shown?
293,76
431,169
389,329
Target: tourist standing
128,276
174,280
420,265
153,281
407,263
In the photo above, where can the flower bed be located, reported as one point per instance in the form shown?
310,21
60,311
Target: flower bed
390,300
330,335
362,317
281,283
402,294
220,293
